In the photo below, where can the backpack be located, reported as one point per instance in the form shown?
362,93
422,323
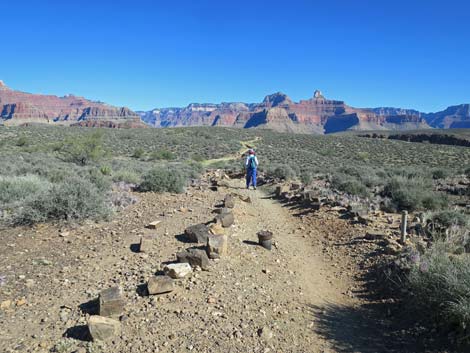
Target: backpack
252,163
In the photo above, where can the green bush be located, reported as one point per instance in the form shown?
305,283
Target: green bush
413,193
106,170
162,155
439,174
163,179
83,150
349,184
74,199
138,153
22,141
128,176
282,171
449,218
440,284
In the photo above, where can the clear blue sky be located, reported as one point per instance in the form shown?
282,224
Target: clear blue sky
146,54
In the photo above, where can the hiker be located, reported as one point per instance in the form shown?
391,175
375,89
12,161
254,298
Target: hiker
251,164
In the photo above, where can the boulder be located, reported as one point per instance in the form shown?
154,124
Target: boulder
229,201
197,233
216,246
179,270
111,302
103,328
194,257
225,219
160,285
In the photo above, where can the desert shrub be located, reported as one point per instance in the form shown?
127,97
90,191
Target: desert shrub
83,150
126,175
448,218
13,190
413,193
439,174
74,199
163,179
440,284
22,141
282,171
106,170
349,184
138,153
306,177
162,155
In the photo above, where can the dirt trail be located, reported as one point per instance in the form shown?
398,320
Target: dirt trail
245,145
295,298
336,320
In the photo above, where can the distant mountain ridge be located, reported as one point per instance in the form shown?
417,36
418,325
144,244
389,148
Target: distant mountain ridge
279,112
19,108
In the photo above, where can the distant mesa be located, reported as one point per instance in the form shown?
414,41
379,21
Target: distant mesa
20,108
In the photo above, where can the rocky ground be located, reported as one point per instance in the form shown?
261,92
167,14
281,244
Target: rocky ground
309,294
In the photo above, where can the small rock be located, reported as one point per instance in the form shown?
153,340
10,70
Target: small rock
229,201
216,229
197,233
5,304
160,285
179,270
111,302
216,246
194,257
103,328
153,225
225,219
265,333
145,244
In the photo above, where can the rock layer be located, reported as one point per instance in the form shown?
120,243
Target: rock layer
17,108
279,112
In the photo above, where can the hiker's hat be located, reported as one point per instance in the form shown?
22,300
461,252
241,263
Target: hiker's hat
251,151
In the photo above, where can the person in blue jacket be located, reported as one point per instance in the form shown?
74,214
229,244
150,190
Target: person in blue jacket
251,165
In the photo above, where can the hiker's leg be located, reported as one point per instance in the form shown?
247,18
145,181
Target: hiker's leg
248,178
253,176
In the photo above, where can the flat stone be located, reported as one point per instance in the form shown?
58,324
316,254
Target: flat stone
179,270
229,201
375,235
103,328
153,225
111,302
145,244
217,246
194,257
160,285
225,219
197,233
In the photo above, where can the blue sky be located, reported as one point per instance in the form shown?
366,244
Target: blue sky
146,54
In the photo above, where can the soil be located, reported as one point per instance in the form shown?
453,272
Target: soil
308,294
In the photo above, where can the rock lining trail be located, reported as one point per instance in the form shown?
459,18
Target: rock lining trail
295,298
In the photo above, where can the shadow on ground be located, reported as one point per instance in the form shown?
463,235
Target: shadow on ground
360,329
